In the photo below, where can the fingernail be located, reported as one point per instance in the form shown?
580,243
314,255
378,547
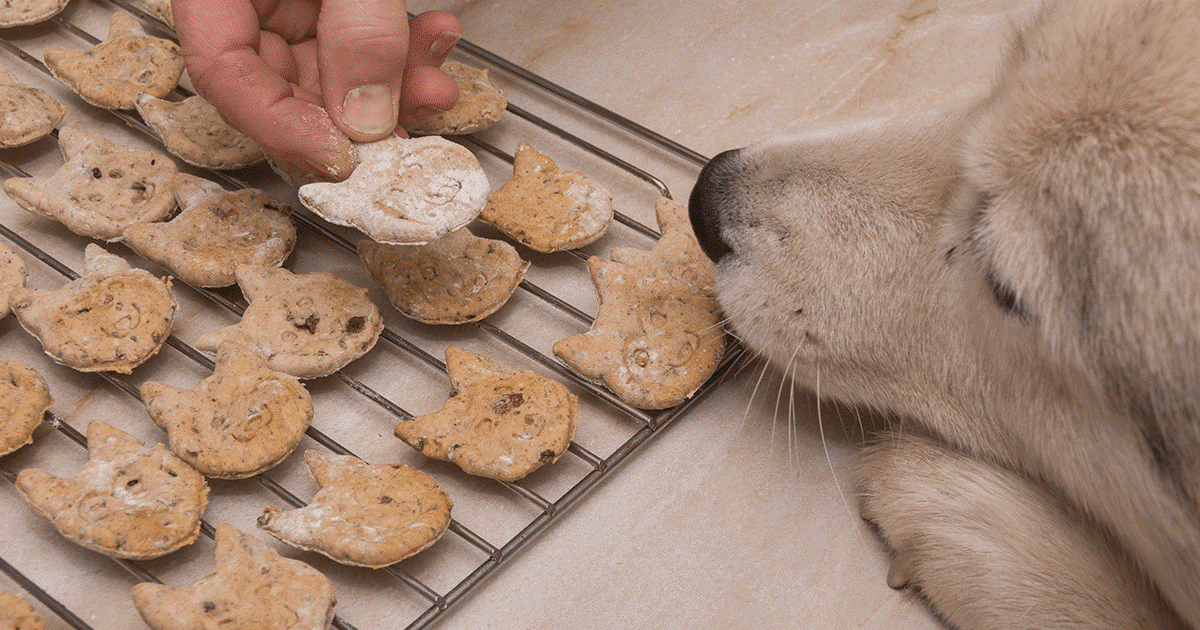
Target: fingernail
370,109
444,42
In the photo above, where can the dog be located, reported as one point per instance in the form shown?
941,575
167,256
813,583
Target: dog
1017,283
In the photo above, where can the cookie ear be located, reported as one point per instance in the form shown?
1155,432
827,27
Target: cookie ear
123,25
323,467
105,441
234,550
98,262
72,141
528,161
191,190
254,280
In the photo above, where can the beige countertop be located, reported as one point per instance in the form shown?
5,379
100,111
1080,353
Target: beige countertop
737,515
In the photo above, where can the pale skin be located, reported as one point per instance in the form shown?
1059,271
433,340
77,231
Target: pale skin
305,78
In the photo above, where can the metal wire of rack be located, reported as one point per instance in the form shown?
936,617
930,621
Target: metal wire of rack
593,468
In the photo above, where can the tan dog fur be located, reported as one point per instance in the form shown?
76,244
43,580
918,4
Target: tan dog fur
1018,284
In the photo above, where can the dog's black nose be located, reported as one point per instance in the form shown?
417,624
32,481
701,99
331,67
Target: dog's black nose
704,206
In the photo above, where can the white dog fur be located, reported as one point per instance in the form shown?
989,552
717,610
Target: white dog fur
1018,284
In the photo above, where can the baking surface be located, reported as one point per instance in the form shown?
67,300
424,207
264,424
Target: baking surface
734,516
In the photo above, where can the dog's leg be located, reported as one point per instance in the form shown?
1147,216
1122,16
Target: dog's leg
990,549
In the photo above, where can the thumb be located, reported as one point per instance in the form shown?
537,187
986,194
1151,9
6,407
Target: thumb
361,51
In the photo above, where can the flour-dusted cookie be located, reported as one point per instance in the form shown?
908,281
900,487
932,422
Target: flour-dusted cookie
29,114
17,614
252,588
242,420
193,130
128,501
112,73
404,190
657,336
24,399
480,104
546,208
22,12
13,273
101,189
113,318
363,515
457,278
308,325
497,423
216,231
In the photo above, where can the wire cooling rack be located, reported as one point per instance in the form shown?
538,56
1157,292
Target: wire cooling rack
356,407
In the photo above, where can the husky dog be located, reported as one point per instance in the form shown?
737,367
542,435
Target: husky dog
1018,284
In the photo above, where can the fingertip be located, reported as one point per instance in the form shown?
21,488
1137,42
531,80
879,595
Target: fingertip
427,92
433,34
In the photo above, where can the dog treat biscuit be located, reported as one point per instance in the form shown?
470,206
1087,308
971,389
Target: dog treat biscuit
17,614
307,325
363,515
160,9
657,336
216,231
293,175
480,104
546,208
29,113
251,588
111,74
457,278
12,275
193,130
404,190
128,501
24,399
22,12
113,318
101,189
242,420
497,423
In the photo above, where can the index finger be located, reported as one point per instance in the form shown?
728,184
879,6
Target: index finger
224,50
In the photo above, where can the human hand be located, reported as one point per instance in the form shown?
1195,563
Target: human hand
305,78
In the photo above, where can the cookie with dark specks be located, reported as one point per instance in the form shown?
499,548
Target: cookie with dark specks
498,423
308,325
24,399
480,104
28,114
252,588
101,189
13,273
216,231
22,12
457,278
364,515
546,208
113,318
193,130
242,420
129,62
128,501
657,336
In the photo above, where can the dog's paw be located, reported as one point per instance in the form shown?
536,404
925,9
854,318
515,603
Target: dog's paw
990,549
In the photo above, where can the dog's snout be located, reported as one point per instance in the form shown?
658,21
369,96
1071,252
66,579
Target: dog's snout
705,205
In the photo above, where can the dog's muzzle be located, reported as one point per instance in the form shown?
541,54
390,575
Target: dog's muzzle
705,205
